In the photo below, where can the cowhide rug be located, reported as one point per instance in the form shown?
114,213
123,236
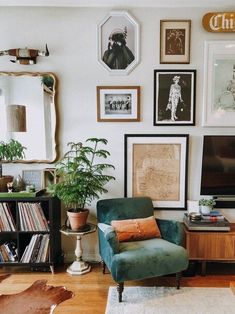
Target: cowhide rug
39,298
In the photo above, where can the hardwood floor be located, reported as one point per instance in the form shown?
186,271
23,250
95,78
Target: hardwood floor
91,289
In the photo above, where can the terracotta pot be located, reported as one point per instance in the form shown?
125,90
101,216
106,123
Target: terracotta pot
3,182
77,220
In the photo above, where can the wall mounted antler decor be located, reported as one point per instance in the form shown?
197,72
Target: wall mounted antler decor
25,55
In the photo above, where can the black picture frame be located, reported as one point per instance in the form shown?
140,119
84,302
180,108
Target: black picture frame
156,165
174,89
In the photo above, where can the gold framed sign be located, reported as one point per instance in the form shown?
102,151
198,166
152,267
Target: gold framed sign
219,22
156,166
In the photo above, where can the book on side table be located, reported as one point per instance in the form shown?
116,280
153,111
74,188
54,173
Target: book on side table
207,223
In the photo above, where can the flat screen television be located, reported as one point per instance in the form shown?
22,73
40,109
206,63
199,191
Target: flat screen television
218,165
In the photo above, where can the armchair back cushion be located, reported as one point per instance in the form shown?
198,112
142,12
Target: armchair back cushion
124,208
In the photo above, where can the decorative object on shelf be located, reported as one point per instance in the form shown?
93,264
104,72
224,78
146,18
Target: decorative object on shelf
175,41
49,177
195,216
118,43
9,152
174,97
118,103
79,267
206,205
33,178
219,22
24,55
18,184
31,96
81,178
219,84
156,165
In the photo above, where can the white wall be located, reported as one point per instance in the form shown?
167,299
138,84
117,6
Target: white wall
71,36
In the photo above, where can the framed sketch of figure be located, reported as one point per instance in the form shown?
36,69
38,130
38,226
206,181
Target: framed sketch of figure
174,97
219,84
175,41
118,43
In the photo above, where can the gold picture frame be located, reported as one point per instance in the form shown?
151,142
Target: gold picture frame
118,103
175,41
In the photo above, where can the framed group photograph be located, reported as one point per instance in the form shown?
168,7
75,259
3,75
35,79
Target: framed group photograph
174,97
118,103
175,41
219,84
156,166
118,43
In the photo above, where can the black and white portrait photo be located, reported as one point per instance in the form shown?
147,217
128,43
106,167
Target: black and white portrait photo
118,103
118,42
174,97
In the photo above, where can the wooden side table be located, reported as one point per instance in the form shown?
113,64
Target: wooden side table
211,246
79,267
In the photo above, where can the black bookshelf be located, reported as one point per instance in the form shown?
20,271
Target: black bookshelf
52,210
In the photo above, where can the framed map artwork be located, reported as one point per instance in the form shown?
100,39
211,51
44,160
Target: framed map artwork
156,166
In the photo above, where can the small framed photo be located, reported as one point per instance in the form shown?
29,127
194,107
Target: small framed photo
118,43
33,177
174,97
175,41
156,166
118,103
219,84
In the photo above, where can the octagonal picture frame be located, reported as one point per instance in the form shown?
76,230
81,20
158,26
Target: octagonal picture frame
118,43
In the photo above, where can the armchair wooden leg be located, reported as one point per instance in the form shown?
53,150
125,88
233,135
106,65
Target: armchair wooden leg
178,277
120,288
103,266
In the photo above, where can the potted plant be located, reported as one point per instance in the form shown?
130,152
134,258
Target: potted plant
206,205
81,179
9,151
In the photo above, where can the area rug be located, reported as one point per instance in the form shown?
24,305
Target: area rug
39,298
169,300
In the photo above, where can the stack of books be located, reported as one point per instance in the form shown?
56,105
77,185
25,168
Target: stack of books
214,216
6,219
8,252
38,249
32,217
213,222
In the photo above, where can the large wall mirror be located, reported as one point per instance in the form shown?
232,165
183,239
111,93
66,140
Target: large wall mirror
28,113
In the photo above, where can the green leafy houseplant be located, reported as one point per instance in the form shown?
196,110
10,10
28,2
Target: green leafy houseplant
81,175
207,202
9,151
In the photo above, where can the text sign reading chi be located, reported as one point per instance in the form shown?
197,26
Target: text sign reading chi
219,22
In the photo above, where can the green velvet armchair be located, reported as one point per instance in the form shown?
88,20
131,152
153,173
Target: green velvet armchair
138,260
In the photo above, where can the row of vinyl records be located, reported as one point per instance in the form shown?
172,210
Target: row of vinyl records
37,251
31,217
6,219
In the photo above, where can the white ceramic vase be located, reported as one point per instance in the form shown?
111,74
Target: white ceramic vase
205,210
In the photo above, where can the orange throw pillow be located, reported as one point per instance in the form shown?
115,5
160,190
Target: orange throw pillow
136,229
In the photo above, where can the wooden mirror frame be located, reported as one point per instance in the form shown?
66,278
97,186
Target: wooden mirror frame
55,131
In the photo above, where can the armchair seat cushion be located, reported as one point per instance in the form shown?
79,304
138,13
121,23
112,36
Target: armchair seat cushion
147,258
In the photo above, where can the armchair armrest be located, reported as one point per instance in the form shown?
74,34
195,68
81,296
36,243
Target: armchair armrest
171,230
108,238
